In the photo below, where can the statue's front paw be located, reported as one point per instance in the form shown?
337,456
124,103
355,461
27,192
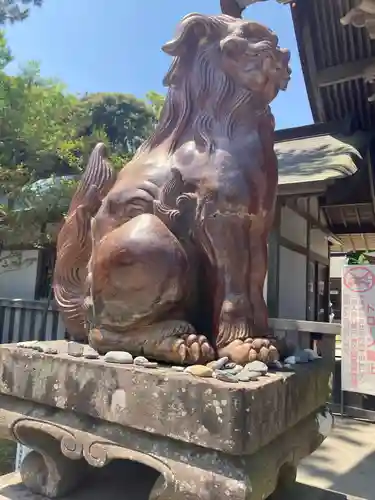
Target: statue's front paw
193,349
251,349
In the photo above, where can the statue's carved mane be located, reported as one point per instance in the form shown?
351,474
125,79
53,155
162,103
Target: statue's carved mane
200,93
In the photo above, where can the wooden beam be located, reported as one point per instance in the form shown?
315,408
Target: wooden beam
341,229
301,14
305,326
304,188
308,259
344,72
365,204
343,127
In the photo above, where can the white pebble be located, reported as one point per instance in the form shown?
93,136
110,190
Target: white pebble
119,357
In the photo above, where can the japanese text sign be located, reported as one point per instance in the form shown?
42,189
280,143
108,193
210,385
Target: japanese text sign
358,329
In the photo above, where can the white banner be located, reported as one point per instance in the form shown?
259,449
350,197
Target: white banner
358,329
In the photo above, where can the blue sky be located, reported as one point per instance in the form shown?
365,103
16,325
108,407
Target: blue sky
114,46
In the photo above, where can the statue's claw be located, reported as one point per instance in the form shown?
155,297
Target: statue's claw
192,349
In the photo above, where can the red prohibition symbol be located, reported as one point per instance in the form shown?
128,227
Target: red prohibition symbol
359,279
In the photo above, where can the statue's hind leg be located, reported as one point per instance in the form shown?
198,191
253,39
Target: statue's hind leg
139,288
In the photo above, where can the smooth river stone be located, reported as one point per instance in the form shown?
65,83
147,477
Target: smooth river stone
225,377
291,360
90,353
312,354
257,366
302,357
37,347
218,364
230,366
28,344
140,360
200,371
119,357
75,349
233,371
49,350
247,376
144,362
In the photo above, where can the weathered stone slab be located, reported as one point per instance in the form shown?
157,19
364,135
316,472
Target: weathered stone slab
235,419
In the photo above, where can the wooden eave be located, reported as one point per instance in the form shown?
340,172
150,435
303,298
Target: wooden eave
336,60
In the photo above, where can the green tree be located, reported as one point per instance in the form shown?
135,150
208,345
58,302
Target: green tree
156,102
16,10
47,133
38,138
126,120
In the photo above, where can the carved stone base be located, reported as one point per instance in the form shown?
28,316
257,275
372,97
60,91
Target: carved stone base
74,450
119,483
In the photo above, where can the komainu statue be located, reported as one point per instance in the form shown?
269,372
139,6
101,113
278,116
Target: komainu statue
169,258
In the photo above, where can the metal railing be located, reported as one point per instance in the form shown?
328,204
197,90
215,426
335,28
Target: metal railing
22,320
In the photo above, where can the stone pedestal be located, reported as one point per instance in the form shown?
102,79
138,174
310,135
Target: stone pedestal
201,438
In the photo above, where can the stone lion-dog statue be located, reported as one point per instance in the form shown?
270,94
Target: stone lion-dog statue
168,259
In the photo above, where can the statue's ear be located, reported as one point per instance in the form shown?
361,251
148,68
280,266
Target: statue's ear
193,30
233,46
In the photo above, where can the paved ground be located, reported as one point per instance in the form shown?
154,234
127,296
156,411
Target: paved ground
343,468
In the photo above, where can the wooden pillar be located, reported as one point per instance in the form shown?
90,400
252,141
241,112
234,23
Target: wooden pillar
273,277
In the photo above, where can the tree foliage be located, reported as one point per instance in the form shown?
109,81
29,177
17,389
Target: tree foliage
156,102
125,120
16,10
46,136
359,258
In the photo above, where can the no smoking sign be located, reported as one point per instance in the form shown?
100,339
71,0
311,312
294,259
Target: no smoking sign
359,279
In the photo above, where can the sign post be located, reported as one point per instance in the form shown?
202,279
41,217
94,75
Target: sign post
358,330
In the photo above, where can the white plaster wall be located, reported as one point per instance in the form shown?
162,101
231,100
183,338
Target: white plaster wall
319,243
323,219
292,285
18,281
293,227
336,265
302,204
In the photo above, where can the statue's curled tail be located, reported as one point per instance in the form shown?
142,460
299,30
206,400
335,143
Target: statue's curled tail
74,242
